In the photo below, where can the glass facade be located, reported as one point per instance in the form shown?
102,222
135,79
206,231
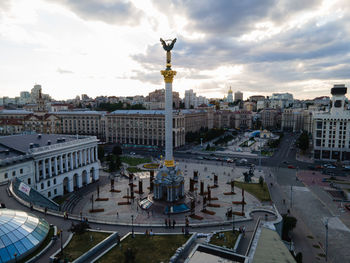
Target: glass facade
19,233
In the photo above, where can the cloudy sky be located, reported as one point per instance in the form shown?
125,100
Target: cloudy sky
111,47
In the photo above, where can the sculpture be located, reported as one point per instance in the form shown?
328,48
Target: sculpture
168,48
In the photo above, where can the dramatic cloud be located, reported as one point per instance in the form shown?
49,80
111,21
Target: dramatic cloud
258,47
109,11
300,42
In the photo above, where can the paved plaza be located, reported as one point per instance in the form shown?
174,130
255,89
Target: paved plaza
155,214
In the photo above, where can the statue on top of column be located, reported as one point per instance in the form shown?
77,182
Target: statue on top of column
168,48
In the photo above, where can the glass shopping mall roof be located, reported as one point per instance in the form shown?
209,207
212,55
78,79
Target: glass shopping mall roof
20,234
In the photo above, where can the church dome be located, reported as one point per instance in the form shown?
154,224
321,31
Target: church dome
20,234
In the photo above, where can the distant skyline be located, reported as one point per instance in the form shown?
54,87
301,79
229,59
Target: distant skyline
111,47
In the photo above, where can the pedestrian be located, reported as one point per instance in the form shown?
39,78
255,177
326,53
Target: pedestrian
284,201
183,230
81,216
148,213
169,223
174,222
45,210
117,214
166,223
64,215
265,217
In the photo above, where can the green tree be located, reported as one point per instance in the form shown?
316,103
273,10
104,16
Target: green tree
299,257
289,223
114,162
303,141
261,181
101,152
117,150
208,147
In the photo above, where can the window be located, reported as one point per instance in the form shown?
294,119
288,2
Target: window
55,191
14,173
29,181
48,183
49,194
6,175
54,181
21,171
42,186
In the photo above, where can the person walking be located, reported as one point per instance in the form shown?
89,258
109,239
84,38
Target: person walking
174,222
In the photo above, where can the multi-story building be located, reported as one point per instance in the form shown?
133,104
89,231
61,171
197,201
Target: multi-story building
83,122
143,127
238,96
256,98
159,96
292,119
269,118
195,120
249,106
242,119
18,121
331,130
52,164
190,99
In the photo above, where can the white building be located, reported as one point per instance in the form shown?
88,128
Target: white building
331,130
52,164
190,98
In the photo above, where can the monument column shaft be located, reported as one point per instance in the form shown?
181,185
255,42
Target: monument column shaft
168,121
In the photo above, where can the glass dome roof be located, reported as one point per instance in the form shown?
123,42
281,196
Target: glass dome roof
20,233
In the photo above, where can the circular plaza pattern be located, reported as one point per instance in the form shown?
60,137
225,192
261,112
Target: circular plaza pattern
118,207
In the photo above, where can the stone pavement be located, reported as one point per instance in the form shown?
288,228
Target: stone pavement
310,206
155,215
188,167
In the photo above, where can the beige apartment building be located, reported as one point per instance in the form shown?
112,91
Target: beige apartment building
143,127
83,122
269,118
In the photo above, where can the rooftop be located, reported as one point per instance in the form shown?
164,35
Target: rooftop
271,248
15,145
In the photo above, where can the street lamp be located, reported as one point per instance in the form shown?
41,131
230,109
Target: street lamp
233,222
132,226
326,226
291,196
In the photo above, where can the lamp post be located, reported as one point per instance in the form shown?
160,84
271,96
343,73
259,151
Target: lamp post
15,255
233,222
326,226
132,226
291,196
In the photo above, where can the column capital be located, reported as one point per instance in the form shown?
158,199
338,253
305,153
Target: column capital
168,75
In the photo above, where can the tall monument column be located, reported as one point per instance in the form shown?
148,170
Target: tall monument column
168,75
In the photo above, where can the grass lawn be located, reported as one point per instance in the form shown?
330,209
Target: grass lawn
41,247
134,170
229,240
262,193
134,161
147,249
79,244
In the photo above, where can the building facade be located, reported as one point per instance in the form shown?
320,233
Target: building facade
52,164
331,130
238,96
143,127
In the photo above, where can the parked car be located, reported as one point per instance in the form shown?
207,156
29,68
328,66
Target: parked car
291,166
331,167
